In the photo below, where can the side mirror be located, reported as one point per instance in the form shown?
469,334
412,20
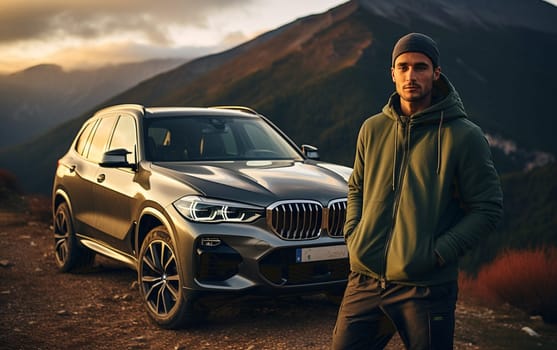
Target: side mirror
310,152
116,158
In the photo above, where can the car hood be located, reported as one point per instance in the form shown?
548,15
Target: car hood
262,182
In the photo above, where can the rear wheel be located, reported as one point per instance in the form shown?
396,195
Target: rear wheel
160,283
69,253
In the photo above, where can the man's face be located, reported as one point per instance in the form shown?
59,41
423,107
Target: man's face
413,75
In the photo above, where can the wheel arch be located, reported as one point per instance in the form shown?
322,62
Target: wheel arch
149,219
60,197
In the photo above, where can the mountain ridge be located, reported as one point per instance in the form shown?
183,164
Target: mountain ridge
530,14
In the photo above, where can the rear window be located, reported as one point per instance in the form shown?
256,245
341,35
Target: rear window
83,138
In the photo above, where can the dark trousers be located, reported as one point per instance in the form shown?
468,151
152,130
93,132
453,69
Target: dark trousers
369,316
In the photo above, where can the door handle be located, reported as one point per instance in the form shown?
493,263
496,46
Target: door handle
101,178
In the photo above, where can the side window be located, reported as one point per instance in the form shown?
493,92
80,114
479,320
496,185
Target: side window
125,137
100,139
83,138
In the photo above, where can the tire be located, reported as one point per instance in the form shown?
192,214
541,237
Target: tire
69,253
161,285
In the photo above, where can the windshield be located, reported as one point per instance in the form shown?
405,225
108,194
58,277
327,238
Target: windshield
200,138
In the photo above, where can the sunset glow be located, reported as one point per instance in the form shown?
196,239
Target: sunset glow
86,33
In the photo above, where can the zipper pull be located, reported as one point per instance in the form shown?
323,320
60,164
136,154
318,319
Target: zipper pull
383,283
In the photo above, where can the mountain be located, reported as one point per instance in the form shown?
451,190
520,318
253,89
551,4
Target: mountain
44,96
333,69
320,76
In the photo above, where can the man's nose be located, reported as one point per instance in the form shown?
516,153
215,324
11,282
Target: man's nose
410,74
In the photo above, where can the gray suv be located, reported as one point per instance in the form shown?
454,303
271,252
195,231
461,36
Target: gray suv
200,201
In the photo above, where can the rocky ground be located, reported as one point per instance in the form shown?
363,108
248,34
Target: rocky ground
41,308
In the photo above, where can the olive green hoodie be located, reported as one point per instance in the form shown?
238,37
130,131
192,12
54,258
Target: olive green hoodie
423,191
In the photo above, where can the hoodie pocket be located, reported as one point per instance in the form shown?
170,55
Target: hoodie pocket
411,259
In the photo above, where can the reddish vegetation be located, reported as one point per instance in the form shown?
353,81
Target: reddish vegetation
526,279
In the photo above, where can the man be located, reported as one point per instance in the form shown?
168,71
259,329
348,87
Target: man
423,191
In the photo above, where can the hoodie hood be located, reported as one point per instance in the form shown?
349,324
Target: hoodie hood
446,105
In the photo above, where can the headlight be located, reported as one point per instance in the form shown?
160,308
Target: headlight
202,209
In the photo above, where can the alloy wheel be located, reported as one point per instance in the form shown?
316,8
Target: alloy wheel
62,231
159,278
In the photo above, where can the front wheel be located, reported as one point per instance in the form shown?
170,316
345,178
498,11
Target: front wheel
160,283
70,254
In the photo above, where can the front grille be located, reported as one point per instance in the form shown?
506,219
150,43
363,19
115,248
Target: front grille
336,217
302,220
296,220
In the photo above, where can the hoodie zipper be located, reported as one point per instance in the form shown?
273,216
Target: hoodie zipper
401,174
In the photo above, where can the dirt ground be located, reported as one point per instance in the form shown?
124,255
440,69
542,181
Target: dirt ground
41,308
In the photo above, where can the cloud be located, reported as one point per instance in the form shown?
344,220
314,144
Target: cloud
233,39
81,33
87,19
96,56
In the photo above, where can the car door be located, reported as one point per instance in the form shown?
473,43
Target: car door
77,171
86,169
115,189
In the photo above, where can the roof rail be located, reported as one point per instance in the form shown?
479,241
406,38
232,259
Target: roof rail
122,106
237,108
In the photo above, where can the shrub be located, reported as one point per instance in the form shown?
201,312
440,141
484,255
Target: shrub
470,288
526,279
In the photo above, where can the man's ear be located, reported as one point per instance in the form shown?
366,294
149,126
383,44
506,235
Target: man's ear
393,74
436,72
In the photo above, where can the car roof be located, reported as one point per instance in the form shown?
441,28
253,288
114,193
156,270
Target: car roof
197,111
155,112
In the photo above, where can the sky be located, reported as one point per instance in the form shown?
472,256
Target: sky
80,34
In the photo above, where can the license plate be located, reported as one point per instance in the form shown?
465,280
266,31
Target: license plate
321,253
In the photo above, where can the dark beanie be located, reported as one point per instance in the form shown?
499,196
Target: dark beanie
416,42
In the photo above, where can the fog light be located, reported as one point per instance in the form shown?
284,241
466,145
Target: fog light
215,260
210,242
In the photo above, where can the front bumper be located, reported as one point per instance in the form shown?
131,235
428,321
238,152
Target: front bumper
241,258
278,268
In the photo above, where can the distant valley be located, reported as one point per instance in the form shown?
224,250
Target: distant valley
39,98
